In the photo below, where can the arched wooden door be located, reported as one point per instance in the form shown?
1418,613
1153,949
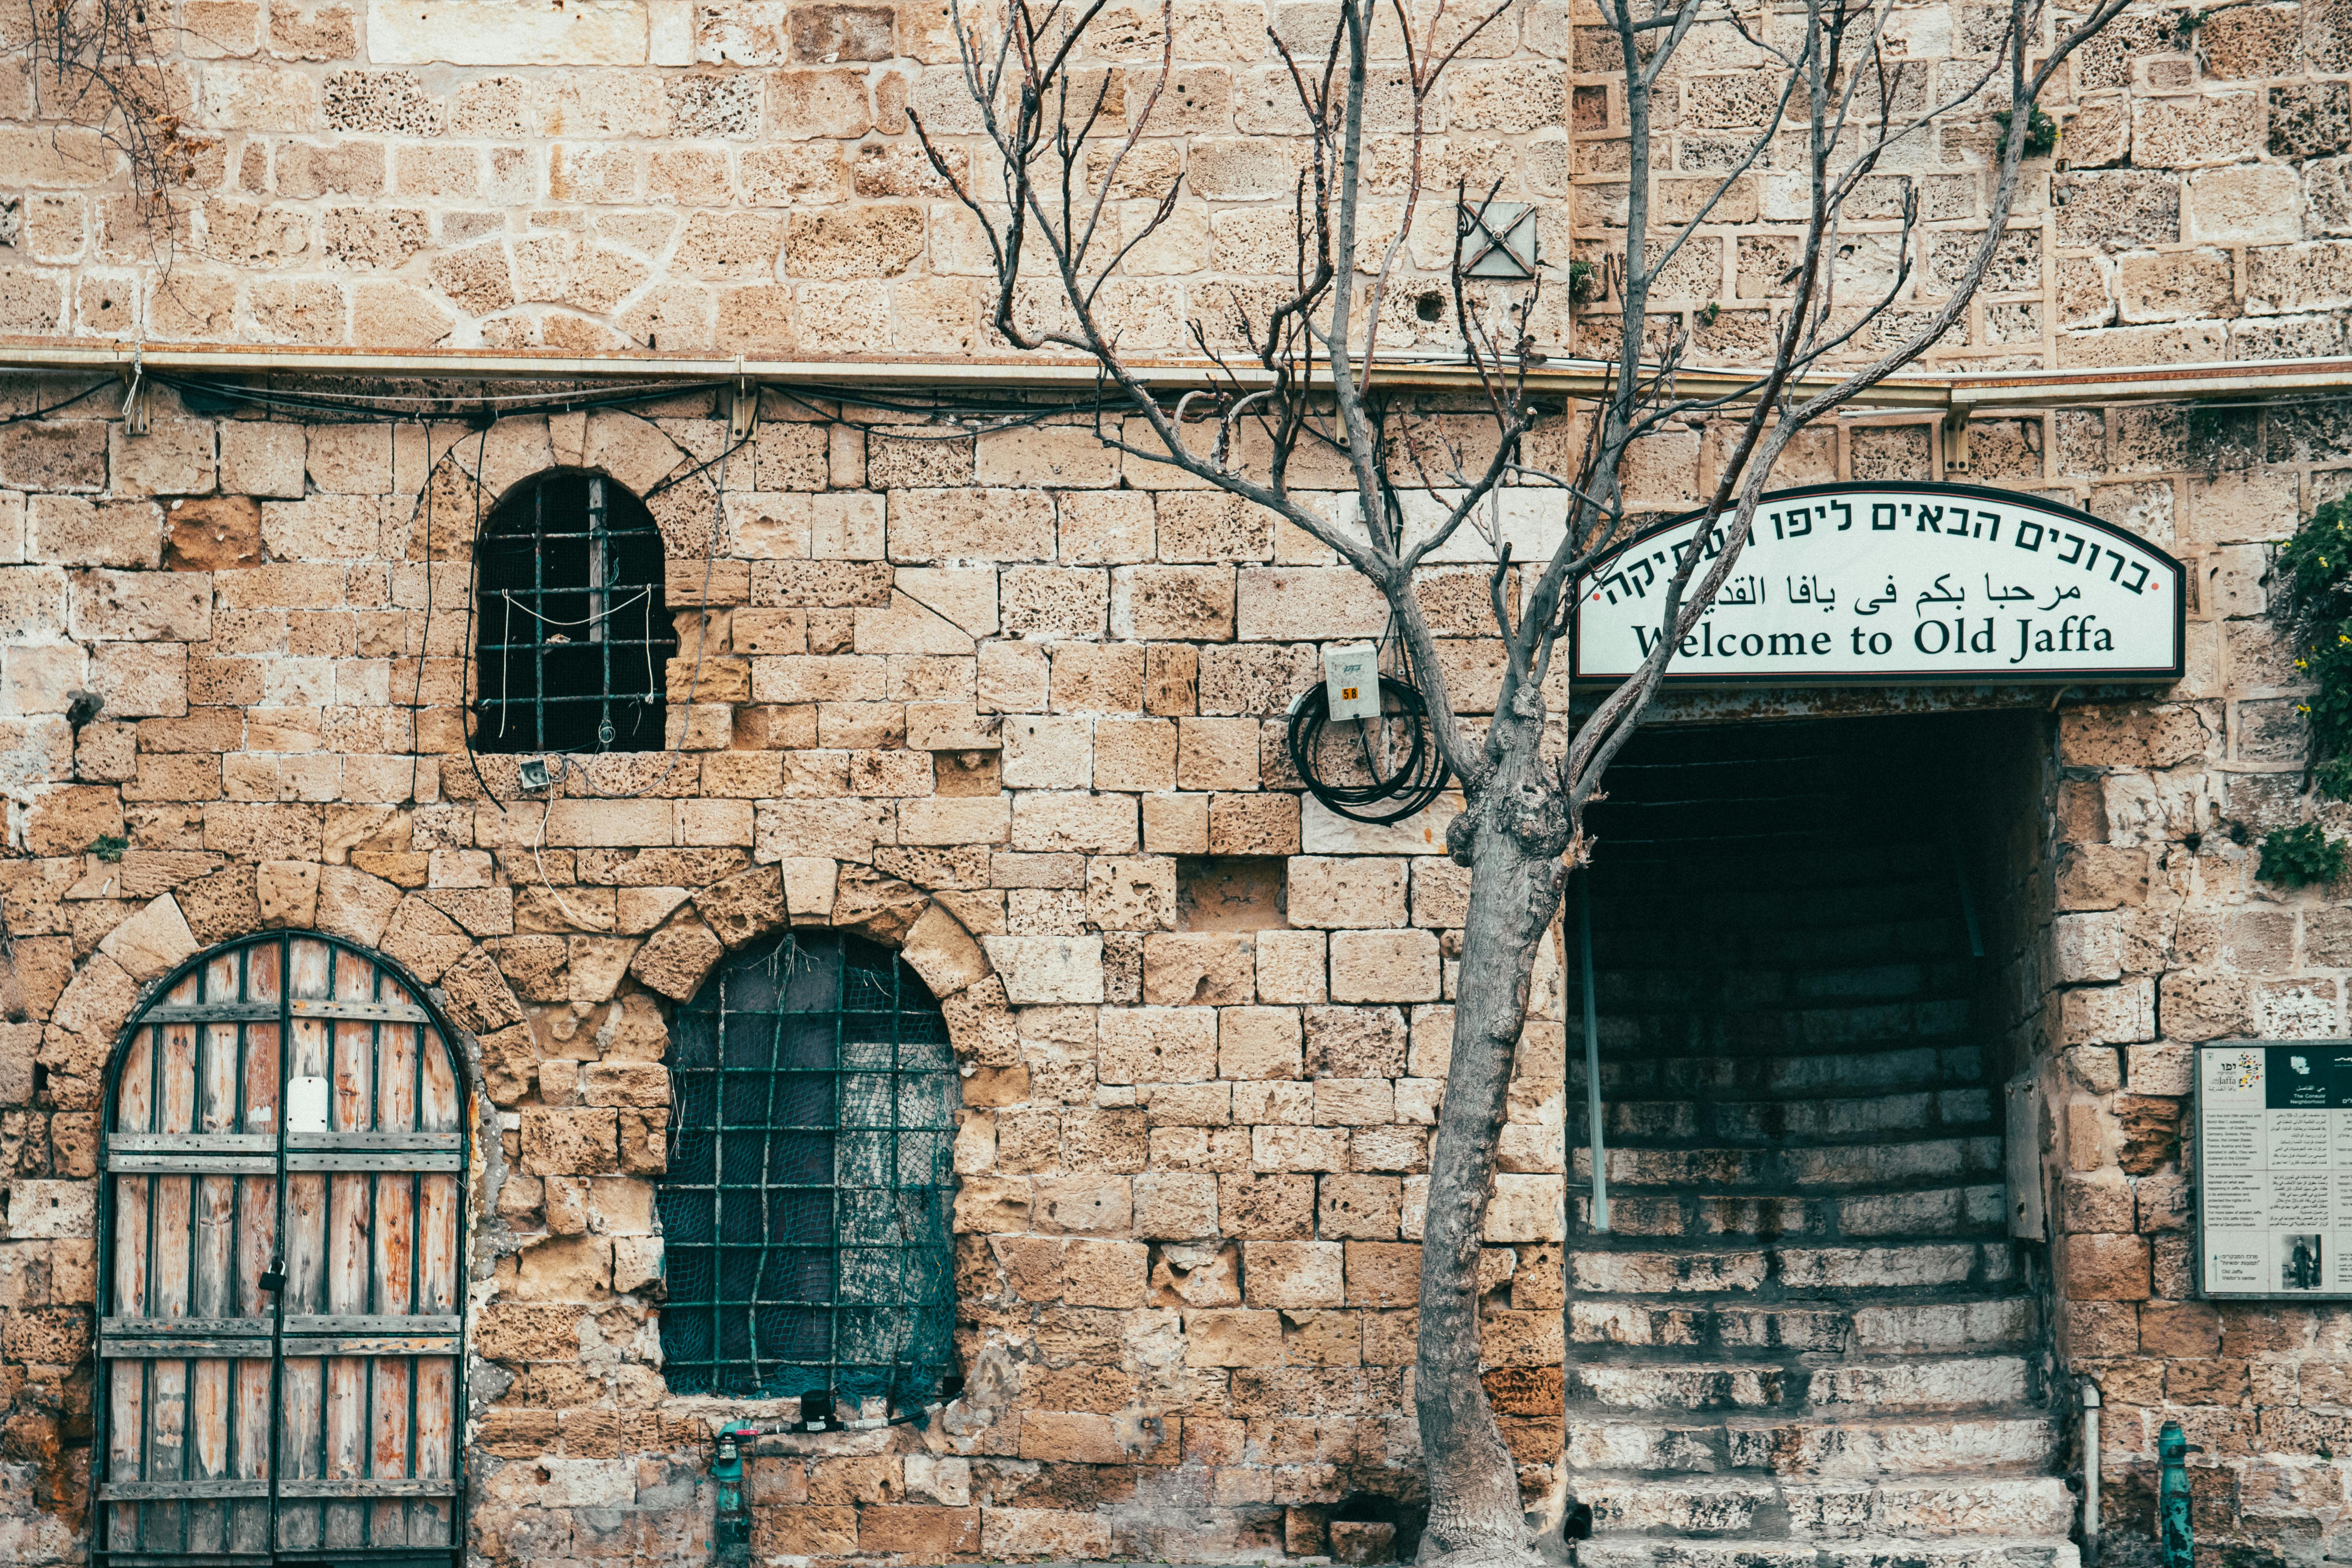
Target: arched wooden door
282,1231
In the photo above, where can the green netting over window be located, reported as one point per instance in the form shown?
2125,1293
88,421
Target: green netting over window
806,1208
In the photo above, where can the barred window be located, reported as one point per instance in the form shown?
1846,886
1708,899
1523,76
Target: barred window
573,638
806,1212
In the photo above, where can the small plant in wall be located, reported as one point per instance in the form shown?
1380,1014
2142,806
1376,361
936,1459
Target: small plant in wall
2298,857
2314,576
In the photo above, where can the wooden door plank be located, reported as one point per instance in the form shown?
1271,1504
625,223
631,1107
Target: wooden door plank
133,1194
388,1446
177,1090
208,1444
167,1453
347,1243
257,1244
396,1078
172,1244
306,1243
436,1402
300,1446
345,1524
436,1246
249,1521
439,1113
213,1289
392,1257
126,1421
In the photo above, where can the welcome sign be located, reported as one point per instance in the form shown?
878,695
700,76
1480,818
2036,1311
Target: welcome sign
1926,584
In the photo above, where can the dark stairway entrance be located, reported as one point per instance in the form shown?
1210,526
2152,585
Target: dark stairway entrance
1806,1339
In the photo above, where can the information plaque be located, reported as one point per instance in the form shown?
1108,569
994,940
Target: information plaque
2274,1169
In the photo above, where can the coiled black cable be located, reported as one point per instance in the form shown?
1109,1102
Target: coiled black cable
1413,787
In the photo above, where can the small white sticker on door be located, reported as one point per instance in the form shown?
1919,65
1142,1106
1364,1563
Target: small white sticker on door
306,1105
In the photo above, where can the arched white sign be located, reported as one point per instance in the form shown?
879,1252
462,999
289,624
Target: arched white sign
1926,584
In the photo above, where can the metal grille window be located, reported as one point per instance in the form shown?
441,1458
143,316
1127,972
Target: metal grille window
806,1212
575,638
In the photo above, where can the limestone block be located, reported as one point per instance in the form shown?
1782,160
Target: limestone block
1105,528
826,830
2105,1267
1047,969
1082,1205
1177,1206
986,526
1175,604
1294,603
1175,824
1200,968
1324,832
1290,966
1255,824
955,821
1140,755
484,33
1363,1208
142,607
1527,1208
1063,456
1258,1043
1104,1273
1346,891
2254,203
1222,1338
944,954
1051,822
288,893
1156,1045
1047,752
1293,1274
1131,894
1384,966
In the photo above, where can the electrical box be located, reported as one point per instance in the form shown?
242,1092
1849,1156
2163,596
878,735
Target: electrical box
1351,680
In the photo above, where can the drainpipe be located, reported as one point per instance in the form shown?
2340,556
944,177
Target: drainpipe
2090,1475
2172,1451
732,1538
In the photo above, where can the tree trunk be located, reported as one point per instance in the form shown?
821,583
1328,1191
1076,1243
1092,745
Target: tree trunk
1516,835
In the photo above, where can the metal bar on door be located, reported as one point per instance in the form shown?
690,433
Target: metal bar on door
1592,1058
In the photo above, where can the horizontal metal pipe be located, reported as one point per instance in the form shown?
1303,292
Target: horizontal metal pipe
1952,392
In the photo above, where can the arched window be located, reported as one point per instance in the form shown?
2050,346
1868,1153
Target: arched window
805,1213
281,1268
573,638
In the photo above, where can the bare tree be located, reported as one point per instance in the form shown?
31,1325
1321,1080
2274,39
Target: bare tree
102,87
1296,386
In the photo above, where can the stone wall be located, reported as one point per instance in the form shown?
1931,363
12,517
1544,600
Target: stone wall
1013,708
649,174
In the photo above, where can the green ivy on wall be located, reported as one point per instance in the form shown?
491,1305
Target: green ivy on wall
2315,575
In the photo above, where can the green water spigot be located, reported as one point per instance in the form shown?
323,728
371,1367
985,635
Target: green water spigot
732,1536
2172,1451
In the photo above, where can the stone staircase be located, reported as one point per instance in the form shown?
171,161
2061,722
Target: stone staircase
1806,1339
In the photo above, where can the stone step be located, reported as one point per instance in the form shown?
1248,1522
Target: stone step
1776,1122
1766,1511
1933,1211
1715,1077
1848,981
1713,1270
1793,1028
1961,1382
2020,1442
1870,1551
1875,1167
1740,1328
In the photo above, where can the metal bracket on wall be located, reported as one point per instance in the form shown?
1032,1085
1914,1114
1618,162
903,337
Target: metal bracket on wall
742,408
1956,441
